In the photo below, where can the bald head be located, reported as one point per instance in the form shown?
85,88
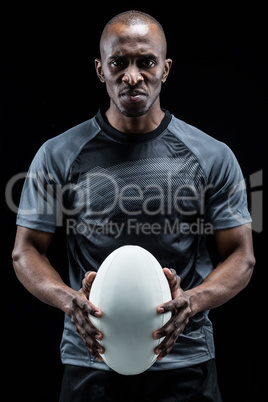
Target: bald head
132,18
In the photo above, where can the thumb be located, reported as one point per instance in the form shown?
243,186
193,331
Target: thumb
87,282
168,273
173,279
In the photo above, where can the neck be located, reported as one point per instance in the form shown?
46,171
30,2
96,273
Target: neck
135,125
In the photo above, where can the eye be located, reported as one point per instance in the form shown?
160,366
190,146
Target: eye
117,63
148,62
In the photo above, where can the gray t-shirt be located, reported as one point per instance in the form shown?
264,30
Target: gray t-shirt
164,191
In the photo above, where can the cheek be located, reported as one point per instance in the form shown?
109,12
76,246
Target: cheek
111,88
155,83
112,82
155,79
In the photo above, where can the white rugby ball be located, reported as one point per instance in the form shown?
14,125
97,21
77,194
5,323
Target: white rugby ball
128,287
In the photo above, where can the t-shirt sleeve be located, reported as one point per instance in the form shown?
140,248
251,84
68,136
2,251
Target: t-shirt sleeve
39,206
226,197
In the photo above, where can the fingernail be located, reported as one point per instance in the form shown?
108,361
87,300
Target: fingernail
98,336
97,314
158,335
160,309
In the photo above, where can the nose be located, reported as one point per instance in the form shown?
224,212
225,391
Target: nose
132,76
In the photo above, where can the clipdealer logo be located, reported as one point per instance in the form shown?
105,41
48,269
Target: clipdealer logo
48,192
256,200
254,186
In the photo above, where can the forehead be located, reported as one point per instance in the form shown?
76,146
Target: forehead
122,39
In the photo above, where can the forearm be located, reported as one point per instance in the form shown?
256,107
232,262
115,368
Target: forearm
35,272
222,284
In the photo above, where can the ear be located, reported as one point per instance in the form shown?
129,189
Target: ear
167,67
98,66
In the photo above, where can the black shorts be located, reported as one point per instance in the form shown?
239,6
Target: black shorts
192,384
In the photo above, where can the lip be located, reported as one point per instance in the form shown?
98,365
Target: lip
133,96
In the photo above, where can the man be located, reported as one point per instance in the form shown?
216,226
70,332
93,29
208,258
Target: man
130,166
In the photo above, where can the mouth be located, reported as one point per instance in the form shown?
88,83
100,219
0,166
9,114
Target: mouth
133,95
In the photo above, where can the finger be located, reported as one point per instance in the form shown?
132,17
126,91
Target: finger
87,306
90,329
93,346
89,333
80,319
177,323
172,305
168,342
88,281
165,346
179,320
172,325
163,354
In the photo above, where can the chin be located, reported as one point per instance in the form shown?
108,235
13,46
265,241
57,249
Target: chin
134,114
132,111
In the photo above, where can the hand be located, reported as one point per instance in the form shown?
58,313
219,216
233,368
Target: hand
180,307
80,309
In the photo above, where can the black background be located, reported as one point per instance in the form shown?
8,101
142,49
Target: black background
48,84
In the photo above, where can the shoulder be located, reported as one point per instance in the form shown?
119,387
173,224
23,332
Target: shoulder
210,152
72,140
58,153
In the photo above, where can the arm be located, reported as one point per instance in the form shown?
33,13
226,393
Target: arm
35,272
230,276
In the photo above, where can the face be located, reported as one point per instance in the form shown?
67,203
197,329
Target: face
133,66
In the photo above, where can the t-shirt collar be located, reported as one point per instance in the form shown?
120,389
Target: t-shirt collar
128,137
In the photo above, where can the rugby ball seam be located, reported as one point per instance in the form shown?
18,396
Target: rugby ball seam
101,293
160,287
